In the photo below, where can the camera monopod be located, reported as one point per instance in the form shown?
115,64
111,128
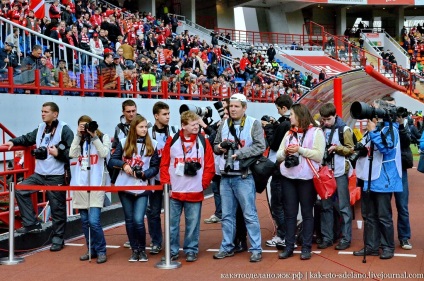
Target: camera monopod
366,199
88,141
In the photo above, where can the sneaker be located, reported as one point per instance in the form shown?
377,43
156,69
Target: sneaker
173,257
127,245
274,241
405,244
222,255
143,257
35,228
134,256
212,219
155,250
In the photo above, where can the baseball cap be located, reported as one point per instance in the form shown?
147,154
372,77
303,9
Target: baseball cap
238,97
10,44
96,34
116,56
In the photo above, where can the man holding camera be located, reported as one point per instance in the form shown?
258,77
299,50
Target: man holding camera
402,198
339,145
275,132
53,139
239,138
188,165
383,147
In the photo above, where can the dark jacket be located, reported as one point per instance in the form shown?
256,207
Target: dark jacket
13,59
274,133
405,150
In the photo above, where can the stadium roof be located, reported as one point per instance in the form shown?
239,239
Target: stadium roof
363,85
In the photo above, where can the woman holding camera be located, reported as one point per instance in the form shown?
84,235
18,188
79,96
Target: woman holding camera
137,157
305,140
91,147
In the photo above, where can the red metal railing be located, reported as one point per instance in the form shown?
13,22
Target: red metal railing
204,91
253,37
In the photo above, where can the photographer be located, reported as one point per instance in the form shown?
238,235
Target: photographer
137,157
53,139
339,145
239,138
383,143
402,198
303,143
188,165
274,133
91,147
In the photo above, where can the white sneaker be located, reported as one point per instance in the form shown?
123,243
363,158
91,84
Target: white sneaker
212,219
274,241
127,244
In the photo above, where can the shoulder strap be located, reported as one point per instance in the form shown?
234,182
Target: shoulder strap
201,138
341,137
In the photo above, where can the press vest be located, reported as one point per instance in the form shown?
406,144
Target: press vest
363,163
50,166
161,141
137,159
186,184
97,166
245,136
339,160
302,171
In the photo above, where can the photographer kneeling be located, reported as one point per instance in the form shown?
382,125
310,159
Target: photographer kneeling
383,147
91,147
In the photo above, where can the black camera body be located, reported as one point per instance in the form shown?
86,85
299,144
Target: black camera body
328,157
138,170
360,150
291,161
231,147
40,153
91,126
191,168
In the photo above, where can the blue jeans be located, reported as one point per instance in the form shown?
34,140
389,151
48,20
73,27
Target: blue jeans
277,206
134,210
216,196
342,200
192,212
235,190
90,220
401,199
297,191
153,216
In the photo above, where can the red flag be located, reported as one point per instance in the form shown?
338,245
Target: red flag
38,6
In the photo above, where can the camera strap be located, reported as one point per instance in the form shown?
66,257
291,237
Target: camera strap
232,129
392,135
190,148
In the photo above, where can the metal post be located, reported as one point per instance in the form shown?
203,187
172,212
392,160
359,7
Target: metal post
11,260
167,263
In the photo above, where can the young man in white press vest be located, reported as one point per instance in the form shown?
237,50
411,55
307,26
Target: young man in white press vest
339,145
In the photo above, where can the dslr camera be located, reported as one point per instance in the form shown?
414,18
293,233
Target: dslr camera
91,126
138,171
328,156
40,153
359,151
291,161
191,168
231,148
388,112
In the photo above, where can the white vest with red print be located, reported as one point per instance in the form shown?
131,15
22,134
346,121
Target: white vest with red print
137,159
186,184
302,171
161,141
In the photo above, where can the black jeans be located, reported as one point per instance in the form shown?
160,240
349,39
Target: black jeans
297,191
376,210
154,209
277,206
57,201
